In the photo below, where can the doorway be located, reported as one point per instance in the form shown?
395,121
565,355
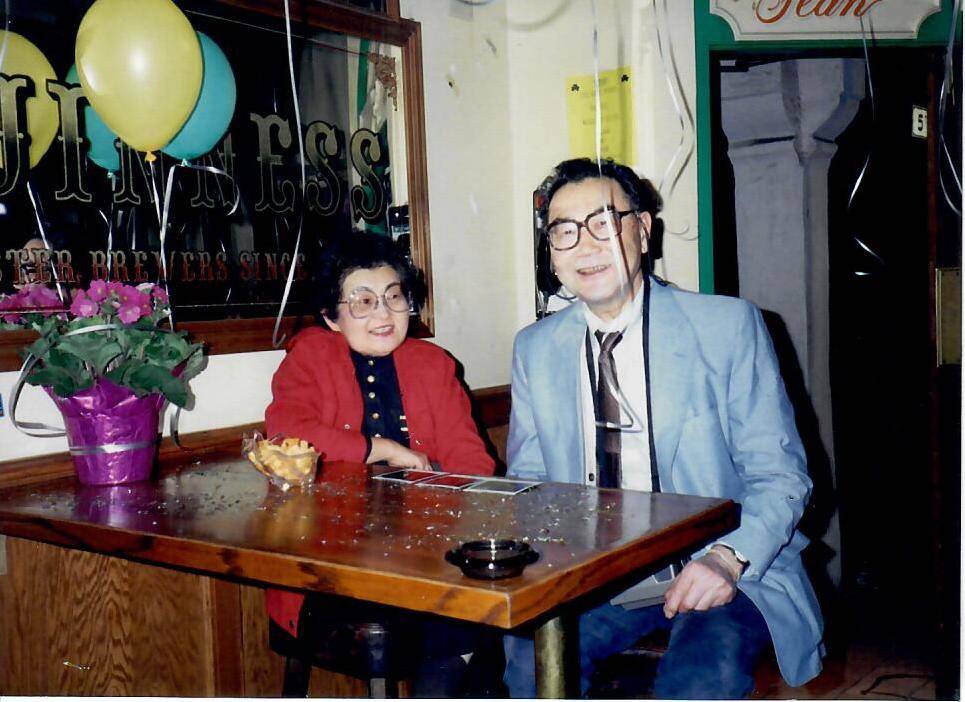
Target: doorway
829,212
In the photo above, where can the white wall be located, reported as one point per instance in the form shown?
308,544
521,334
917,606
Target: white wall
471,190
551,40
494,80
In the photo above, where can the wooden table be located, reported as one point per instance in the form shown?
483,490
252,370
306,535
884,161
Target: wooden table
379,541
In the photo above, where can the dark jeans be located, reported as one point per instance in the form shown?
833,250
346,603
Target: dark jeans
711,655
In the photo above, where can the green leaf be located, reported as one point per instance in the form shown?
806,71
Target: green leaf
176,392
95,349
167,350
149,378
61,380
196,362
122,373
69,362
58,379
40,347
134,341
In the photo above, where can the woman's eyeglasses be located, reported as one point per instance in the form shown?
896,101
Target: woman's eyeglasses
363,301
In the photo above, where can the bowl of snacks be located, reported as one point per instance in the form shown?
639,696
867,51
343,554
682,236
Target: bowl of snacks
286,461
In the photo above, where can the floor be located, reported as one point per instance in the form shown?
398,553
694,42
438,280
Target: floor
875,663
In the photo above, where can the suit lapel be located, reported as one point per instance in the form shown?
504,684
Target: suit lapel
672,351
564,379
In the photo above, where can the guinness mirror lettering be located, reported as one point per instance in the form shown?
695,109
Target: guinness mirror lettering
273,134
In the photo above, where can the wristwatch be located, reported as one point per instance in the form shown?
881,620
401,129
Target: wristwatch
743,562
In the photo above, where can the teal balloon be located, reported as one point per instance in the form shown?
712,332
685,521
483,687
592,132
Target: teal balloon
101,138
215,107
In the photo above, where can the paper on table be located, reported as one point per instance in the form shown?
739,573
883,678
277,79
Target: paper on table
406,476
503,487
451,481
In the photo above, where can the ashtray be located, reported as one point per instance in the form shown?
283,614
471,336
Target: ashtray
286,461
493,558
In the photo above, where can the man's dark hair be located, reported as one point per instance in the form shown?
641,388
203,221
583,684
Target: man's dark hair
643,196
640,191
359,250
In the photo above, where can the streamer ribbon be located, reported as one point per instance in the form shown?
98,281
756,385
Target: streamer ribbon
864,168
108,448
275,340
942,101
685,118
52,431
34,200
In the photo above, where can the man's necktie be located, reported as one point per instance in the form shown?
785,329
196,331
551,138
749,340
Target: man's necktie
608,437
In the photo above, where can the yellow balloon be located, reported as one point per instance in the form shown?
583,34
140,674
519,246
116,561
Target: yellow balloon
140,66
22,58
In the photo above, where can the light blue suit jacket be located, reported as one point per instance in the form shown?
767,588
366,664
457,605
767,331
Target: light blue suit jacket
722,427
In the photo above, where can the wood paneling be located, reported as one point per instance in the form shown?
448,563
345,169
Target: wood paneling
78,623
263,670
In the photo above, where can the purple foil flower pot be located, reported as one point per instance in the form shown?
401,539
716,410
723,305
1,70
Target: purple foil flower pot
111,432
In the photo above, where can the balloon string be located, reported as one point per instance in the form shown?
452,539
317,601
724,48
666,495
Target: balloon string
109,221
224,249
616,251
168,189
275,340
131,226
867,161
681,106
235,190
597,105
162,219
605,198
43,236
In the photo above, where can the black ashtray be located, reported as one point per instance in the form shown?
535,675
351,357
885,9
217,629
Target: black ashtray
492,559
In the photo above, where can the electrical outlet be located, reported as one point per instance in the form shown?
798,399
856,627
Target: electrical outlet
919,122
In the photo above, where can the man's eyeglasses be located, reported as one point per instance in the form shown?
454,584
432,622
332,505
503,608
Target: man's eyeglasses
564,234
364,301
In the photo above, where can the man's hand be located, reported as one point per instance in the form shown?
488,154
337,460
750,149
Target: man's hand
710,581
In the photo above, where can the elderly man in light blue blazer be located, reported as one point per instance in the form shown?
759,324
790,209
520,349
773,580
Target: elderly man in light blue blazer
703,411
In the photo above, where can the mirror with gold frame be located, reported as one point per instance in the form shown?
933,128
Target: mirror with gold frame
236,213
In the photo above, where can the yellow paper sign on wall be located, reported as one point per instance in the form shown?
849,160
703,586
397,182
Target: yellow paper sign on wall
616,116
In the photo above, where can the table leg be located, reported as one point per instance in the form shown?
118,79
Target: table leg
557,658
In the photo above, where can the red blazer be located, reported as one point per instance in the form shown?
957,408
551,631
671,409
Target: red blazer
316,397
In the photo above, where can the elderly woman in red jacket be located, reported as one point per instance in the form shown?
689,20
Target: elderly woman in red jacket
361,390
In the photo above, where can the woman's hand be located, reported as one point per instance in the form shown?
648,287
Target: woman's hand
397,455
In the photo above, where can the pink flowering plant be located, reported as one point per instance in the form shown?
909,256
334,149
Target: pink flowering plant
128,341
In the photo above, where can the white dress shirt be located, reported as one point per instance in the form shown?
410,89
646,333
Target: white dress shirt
632,397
